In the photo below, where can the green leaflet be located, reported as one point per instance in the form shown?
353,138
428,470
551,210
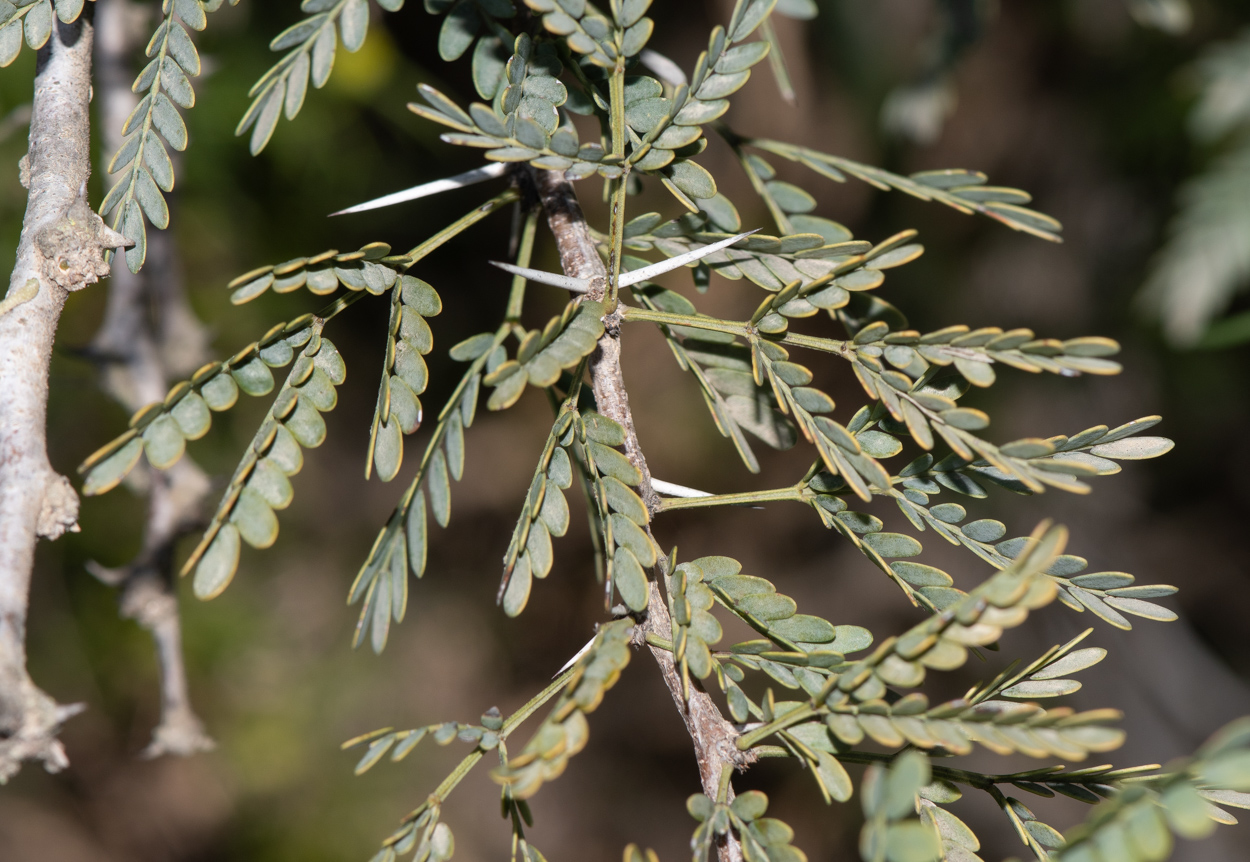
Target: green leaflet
32,21
891,829
1140,819
1108,595
838,449
543,515
590,439
828,264
585,31
737,405
622,515
399,744
852,697
260,484
670,129
523,124
695,631
800,650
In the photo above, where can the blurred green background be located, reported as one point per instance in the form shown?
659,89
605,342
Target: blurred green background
1071,100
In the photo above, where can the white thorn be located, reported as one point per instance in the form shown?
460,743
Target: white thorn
575,285
468,178
581,652
671,490
647,272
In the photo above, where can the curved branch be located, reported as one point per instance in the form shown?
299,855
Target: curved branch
61,249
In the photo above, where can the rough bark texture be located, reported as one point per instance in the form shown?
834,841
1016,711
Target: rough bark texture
149,336
61,249
713,736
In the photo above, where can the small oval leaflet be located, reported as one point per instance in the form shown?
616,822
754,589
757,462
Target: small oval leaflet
217,566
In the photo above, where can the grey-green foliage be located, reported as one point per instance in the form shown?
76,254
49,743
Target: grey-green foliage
962,190
142,161
722,370
1137,823
260,483
892,832
31,21
827,694
664,132
763,839
1206,258
565,731
310,45
402,545
591,441
161,430
542,354
371,268
400,743
404,374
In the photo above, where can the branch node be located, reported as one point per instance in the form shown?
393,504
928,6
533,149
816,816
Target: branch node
73,247
58,513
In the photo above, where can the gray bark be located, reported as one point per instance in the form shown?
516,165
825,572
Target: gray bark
61,249
149,335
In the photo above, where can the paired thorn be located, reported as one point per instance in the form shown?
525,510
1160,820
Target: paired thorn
670,489
573,285
581,285
468,178
649,272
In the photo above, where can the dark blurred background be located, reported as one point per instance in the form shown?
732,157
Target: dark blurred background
1073,100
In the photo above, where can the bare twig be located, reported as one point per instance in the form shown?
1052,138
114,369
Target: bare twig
712,735
148,335
61,249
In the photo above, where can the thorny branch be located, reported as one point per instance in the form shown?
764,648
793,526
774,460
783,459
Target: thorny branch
61,249
713,736
148,335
